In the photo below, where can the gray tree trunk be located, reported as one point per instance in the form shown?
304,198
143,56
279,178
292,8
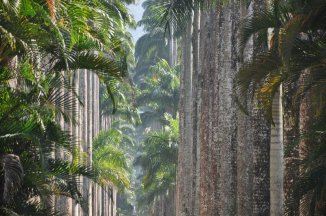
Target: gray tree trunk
68,127
276,157
245,140
95,115
84,133
291,158
261,150
171,45
76,131
185,160
276,154
217,119
196,91
305,123
225,138
224,130
90,101
203,118
230,151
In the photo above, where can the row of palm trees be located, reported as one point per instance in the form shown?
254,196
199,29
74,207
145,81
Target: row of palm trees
158,160
156,77
265,59
43,44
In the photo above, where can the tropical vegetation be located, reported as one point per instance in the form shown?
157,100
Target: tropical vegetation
218,109
43,44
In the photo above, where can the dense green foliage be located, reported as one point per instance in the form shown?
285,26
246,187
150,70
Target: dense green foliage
39,40
158,161
31,134
159,92
110,162
44,43
158,86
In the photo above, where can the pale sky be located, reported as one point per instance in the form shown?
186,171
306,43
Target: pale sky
137,11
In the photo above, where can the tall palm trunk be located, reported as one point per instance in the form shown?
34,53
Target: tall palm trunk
90,101
84,128
253,149
261,144
196,91
224,112
217,118
76,132
185,160
291,157
276,152
276,156
261,160
97,201
245,139
68,127
171,45
204,163
305,145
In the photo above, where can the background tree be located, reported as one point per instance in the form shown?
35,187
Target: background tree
158,161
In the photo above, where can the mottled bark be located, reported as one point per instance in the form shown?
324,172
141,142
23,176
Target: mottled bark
306,119
196,91
245,140
114,206
225,129
261,150
97,202
204,159
217,123
231,151
291,156
181,141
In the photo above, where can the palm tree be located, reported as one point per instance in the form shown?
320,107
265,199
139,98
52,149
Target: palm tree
294,51
150,48
158,161
159,91
109,162
29,134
